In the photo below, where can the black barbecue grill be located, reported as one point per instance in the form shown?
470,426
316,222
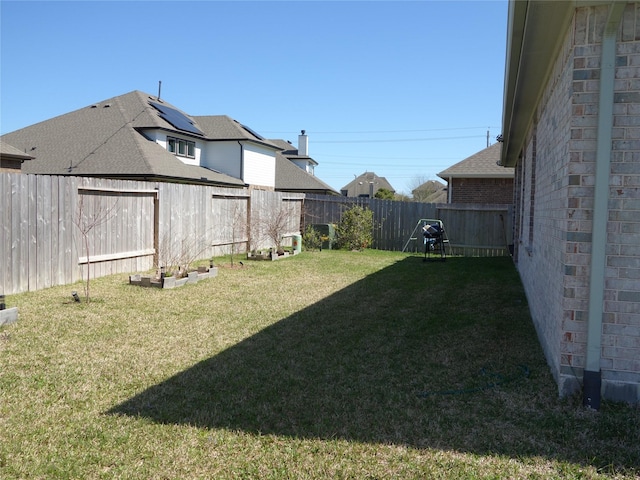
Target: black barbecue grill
434,240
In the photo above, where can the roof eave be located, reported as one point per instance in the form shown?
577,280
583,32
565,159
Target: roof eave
151,177
446,176
173,131
22,158
209,139
271,146
301,157
527,65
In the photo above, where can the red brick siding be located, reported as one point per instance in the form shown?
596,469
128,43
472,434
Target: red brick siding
482,190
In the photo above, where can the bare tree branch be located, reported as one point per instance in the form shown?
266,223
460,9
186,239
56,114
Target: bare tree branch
86,221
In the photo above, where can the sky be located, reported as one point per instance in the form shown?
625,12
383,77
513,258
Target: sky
404,89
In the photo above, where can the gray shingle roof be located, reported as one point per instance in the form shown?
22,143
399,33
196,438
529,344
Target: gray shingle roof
479,165
286,147
223,127
291,178
107,139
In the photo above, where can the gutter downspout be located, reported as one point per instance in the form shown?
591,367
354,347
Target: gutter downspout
592,379
450,192
241,161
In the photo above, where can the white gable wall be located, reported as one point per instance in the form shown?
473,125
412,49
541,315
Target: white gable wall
225,157
252,163
259,166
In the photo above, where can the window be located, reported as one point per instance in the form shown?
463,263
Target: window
183,148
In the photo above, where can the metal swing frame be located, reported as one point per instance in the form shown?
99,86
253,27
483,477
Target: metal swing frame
432,243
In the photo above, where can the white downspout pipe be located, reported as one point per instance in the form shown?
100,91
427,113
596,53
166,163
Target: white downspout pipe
241,161
592,380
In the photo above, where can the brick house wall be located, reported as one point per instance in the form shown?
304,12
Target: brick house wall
482,190
554,196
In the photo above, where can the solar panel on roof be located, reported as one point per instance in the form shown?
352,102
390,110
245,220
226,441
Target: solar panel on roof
176,118
252,132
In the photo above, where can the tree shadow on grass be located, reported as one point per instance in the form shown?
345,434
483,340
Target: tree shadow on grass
428,355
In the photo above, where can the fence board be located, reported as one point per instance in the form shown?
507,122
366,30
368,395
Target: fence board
53,264
33,232
20,243
6,223
69,232
45,234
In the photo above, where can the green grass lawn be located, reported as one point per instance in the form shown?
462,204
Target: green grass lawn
328,364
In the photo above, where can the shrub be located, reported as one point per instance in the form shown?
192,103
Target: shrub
354,232
311,239
384,194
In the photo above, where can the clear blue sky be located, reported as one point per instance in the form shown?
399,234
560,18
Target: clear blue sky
404,89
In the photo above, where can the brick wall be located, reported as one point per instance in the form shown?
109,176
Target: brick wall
621,328
10,165
482,190
554,201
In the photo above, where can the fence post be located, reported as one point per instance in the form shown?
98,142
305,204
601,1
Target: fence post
156,227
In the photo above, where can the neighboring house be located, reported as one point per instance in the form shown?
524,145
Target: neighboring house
365,185
479,179
295,169
141,137
571,124
430,191
11,159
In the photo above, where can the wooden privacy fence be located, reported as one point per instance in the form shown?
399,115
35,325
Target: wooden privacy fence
472,229
47,222
478,230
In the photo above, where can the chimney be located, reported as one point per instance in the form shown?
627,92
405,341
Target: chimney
303,144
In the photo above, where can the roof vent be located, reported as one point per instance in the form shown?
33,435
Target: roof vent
106,105
94,105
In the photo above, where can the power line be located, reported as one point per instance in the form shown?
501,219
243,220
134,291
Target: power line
350,132
398,140
368,157
385,165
